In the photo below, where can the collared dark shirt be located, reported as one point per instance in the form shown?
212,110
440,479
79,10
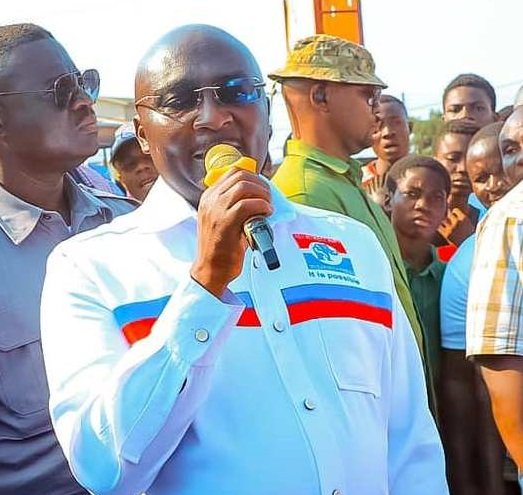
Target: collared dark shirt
425,286
31,461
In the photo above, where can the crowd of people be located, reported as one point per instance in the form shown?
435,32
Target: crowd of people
146,346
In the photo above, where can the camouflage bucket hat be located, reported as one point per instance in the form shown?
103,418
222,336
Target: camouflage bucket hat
329,58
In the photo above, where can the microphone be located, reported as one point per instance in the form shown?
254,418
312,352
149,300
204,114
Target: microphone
218,160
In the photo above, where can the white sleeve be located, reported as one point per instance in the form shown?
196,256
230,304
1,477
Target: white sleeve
119,412
416,460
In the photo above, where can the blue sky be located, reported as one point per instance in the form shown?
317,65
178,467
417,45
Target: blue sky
418,45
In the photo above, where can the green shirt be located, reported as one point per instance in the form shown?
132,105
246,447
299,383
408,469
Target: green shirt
311,177
425,287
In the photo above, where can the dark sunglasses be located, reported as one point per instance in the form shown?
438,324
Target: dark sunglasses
235,91
67,86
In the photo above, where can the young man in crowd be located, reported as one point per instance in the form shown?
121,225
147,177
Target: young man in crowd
390,143
202,370
47,128
133,169
332,94
472,445
471,98
417,191
450,149
494,316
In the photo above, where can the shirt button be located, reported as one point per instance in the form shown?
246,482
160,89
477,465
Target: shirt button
255,261
336,492
278,326
202,335
47,216
309,405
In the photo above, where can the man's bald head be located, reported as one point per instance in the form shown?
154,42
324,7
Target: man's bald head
196,87
511,146
184,47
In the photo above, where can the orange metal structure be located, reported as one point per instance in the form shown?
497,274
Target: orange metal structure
340,18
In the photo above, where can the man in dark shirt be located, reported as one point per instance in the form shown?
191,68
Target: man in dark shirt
47,128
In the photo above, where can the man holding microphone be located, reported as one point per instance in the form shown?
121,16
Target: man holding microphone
188,366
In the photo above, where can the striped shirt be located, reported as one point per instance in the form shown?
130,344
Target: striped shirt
494,311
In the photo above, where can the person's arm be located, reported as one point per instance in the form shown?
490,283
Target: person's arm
504,378
120,412
416,460
456,227
494,337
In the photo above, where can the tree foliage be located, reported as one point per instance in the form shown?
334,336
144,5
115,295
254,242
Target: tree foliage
425,131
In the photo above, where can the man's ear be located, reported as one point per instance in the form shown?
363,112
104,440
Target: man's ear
140,135
115,172
318,95
387,203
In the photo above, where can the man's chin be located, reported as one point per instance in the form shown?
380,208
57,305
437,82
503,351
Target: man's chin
460,190
391,156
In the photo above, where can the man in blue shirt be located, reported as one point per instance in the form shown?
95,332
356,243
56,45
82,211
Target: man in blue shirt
47,128
472,444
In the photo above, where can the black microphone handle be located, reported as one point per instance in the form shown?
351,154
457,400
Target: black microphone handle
260,237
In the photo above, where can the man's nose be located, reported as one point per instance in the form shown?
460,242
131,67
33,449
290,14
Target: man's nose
460,167
467,113
144,166
211,114
80,99
387,131
422,203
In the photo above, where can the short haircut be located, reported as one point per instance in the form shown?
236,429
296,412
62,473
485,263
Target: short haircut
473,81
505,113
14,35
393,99
490,131
457,126
399,170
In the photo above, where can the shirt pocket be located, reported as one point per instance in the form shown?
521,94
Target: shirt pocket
355,354
23,383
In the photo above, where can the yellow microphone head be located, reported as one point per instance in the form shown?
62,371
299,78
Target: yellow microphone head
221,155
221,158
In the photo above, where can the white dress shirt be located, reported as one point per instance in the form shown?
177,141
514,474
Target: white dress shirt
303,380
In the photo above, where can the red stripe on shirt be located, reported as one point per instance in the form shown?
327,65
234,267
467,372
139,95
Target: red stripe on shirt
249,318
304,241
311,310
138,330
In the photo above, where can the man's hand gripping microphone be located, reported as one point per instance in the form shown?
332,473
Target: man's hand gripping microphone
258,232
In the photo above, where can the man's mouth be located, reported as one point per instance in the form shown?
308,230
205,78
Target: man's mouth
422,221
148,182
391,149
390,145
88,125
460,180
461,183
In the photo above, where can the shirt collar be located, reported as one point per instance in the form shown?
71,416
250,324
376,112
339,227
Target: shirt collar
19,218
431,268
351,167
164,208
